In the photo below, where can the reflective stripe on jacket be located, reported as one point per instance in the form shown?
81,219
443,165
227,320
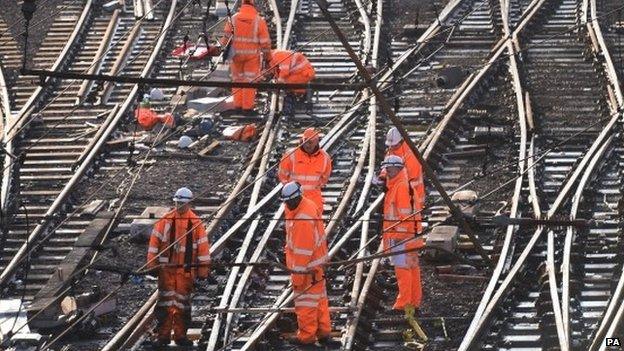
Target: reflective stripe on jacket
289,64
306,244
249,33
398,207
311,171
161,239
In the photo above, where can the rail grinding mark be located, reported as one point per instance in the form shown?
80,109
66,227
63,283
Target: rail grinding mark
566,99
55,146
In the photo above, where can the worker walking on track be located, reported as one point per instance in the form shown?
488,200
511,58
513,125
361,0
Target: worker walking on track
248,36
178,239
309,165
399,235
292,68
398,147
306,251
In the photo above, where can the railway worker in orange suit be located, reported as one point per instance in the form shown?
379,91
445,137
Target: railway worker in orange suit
250,43
306,251
173,310
148,119
309,165
399,235
291,67
398,147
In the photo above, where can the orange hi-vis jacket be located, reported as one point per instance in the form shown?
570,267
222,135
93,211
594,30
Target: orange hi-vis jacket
397,208
291,67
415,177
311,171
306,244
148,119
172,227
398,226
249,34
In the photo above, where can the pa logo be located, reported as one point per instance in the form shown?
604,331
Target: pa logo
613,342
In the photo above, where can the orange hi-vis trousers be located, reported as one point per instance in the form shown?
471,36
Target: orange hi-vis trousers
407,271
245,70
312,309
173,310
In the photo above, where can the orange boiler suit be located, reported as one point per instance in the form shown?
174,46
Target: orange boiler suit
148,119
250,38
292,67
312,171
306,250
397,232
415,177
175,284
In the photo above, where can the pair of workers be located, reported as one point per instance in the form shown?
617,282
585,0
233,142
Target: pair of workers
249,43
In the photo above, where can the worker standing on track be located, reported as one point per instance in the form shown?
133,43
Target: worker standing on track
291,67
398,147
148,119
180,239
306,251
309,165
399,235
250,43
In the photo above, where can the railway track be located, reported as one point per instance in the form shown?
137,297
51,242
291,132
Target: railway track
63,143
562,292
529,310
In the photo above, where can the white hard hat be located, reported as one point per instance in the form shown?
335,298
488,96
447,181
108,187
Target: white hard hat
184,142
393,137
392,161
156,94
183,195
290,191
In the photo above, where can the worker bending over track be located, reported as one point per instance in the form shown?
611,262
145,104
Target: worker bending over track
292,68
247,35
148,119
306,251
399,235
179,238
309,165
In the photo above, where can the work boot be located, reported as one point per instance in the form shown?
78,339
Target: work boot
161,344
327,341
184,342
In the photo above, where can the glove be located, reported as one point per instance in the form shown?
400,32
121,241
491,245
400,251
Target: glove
378,181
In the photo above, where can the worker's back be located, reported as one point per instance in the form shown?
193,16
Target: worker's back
250,33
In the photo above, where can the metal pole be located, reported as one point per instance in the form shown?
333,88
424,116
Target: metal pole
385,107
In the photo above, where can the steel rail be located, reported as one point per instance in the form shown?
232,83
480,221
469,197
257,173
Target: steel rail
16,123
617,296
287,295
139,323
506,249
98,59
43,226
326,143
5,109
276,103
599,48
562,196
